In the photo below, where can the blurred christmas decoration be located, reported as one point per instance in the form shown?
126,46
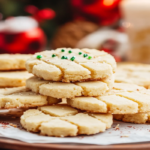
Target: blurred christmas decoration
109,40
96,25
72,32
83,34
136,15
22,34
40,15
103,12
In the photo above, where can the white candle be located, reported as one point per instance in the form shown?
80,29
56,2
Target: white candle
136,14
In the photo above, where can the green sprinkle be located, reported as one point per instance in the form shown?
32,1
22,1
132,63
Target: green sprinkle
64,57
80,53
62,50
39,56
89,57
70,51
53,55
72,58
85,55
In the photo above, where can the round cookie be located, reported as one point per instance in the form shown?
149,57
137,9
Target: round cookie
13,61
71,65
123,99
139,118
135,73
68,90
62,120
14,78
22,98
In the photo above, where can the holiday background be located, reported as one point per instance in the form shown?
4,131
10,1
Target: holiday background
119,27
62,23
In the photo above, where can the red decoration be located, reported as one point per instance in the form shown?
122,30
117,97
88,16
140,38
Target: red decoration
40,15
22,34
31,9
110,46
104,12
45,14
26,42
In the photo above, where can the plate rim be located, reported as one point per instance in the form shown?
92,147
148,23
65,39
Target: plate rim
15,144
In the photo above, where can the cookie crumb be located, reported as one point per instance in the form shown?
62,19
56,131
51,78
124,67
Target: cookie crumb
13,125
117,127
124,136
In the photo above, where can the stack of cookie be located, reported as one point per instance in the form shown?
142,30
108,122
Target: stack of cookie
13,93
74,75
138,94
134,78
12,70
13,76
135,73
84,78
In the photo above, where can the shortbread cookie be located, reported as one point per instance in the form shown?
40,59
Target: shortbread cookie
104,104
125,98
71,65
133,73
128,87
13,61
139,118
133,88
14,78
22,98
62,120
67,90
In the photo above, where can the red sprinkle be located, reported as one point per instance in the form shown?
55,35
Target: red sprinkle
4,123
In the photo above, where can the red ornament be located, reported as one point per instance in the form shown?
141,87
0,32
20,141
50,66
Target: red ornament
26,42
40,15
44,14
22,34
104,12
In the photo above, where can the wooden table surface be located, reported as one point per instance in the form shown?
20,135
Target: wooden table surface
18,145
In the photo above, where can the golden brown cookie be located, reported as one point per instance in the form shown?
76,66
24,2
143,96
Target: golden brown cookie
22,98
13,61
135,73
68,90
13,78
71,65
62,120
125,98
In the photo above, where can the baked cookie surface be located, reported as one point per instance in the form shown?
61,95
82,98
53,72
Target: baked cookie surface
13,61
123,99
62,120
139,118
135,73
68,90
71,65
22,98
14,78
